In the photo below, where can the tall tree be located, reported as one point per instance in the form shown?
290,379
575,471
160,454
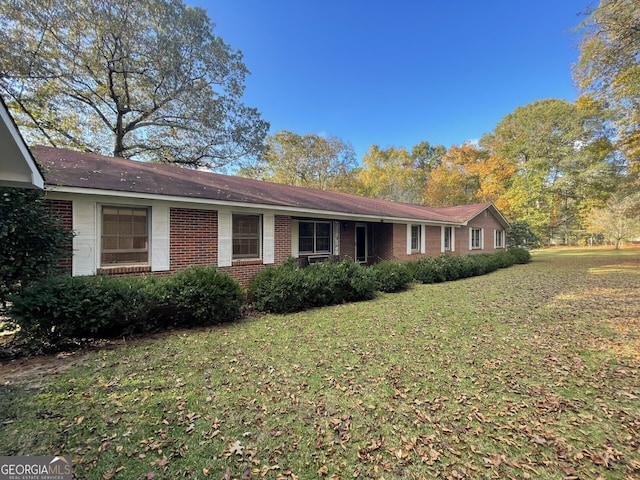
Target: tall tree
389,174
469,174
397,174
609,67
563,161
304,160
146,79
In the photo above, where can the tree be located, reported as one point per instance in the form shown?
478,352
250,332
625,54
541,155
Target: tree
304,160
145,80
563,161
33,241
469,174
395,174
520,235
619,220
609,67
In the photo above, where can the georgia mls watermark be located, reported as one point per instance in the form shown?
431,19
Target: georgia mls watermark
36,468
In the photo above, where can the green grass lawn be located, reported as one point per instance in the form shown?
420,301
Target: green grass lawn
529,372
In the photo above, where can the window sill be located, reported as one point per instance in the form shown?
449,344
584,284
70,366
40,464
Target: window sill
122,269
247,261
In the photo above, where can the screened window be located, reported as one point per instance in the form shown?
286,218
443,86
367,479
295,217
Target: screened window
415,238
476,235
447,238
314,237
499,239
125,236
246,236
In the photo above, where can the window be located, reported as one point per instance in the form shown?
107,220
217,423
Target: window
415,238
476,238
314,237
447,238
499,243
246,236
125,236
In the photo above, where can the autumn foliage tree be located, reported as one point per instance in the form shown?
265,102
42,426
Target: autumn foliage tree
304,160
608,69
397,174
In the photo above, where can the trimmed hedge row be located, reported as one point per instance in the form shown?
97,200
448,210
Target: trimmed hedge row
56,311
288,288
59,311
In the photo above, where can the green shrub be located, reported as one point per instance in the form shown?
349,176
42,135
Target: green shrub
60,311
391,276
447,268
278,289
288,288
202,296
520,255
57,309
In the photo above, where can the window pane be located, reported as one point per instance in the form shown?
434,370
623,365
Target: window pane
322,245
246,236
306,229
323,229
124,235
306,245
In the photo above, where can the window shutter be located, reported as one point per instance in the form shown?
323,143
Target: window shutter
160,238
268,238
423,239
453,239
225,244
86,244
336,238
408,239
482,238
295,239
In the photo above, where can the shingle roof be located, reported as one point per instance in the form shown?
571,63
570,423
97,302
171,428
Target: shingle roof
68,168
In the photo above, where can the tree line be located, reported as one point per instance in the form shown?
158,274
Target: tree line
150,80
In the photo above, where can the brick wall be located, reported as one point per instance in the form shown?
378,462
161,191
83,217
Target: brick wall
63,209
193,237
487,221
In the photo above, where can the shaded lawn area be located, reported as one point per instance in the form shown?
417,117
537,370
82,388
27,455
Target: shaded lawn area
529,372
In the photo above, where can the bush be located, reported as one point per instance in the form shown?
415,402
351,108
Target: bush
58,309
278,289
288,288
202,296
520,255
447,268
33,240
391,276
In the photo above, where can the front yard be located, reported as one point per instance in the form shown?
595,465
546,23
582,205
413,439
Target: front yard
529,372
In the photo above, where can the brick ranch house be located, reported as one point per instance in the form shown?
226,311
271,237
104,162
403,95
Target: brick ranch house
134,218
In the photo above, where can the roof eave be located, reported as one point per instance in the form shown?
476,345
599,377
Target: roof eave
284,209
17,166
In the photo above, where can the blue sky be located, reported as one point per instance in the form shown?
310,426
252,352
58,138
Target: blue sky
395,73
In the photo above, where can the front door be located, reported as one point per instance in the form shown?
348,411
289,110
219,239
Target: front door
361,243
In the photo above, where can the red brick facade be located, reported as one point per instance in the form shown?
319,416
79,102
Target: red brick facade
63,209
193,240
193,237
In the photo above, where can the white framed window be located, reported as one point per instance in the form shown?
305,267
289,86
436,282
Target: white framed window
246,236
499,239
475,240
415,238
314,237
124,236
